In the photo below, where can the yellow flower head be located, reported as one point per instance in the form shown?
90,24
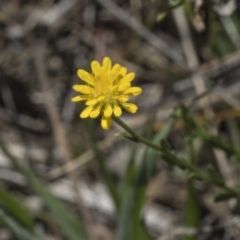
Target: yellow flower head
106,91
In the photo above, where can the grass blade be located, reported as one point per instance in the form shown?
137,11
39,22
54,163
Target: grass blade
15,209
18,230
69,223
130,226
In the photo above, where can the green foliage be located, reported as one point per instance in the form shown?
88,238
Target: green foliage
195,176
11,205
223,196
130,221
213,175
68,222
129,195
175,4
192,209
19,231
129,198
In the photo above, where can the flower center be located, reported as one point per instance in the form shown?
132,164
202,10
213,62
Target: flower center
104,87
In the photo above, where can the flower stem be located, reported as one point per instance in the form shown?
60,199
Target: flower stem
136,136
171,158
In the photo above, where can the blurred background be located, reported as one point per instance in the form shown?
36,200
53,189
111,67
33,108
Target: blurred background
62,176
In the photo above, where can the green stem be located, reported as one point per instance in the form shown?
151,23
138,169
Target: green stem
192,205
171,158
136,136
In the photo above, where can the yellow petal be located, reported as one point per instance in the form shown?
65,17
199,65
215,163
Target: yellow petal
121,98
123,87
82,89
123,71
117,110
102,77
85,113
114,72
80,98
130,107
95,100
95,67
128,78
106,122
85,76
91,102
101,98
96,111
107,112
107,63
133,91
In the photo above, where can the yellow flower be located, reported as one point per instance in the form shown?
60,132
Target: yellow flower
106,92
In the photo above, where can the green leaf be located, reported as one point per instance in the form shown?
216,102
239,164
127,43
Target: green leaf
18,230
161,16
223,196
234,132
192,209
165,145
15,209
195,176
130,224
68,222
152,154
214,175
129,172
218,142
129,219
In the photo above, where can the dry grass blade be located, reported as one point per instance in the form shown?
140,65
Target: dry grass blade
58,130
143,32
199,84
